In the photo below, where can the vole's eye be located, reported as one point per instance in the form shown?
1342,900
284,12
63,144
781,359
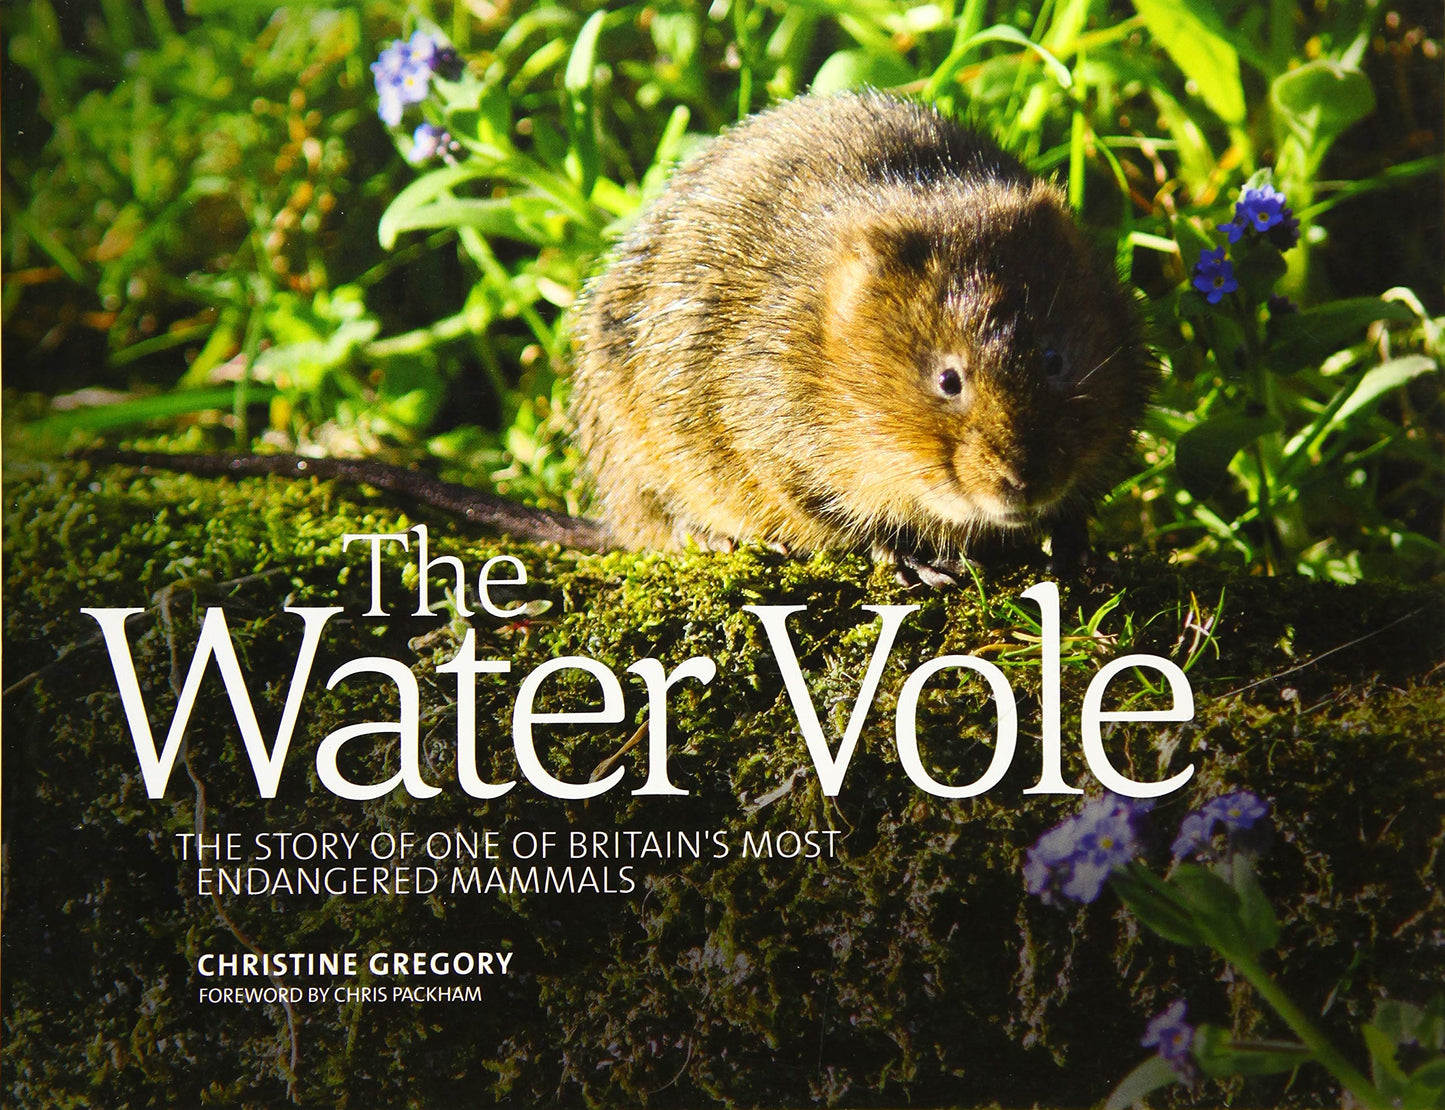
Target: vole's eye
1053,362
950,381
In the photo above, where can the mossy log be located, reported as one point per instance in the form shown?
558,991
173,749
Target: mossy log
911,968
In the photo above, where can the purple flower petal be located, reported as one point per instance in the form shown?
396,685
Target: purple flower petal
389,107
427,142
1194,832
1263,210
1285,234
403,73
1086,880
1076,857
1239,810
1214,275
1259,207
1171,1036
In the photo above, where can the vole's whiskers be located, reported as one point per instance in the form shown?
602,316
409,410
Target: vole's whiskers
1101,364
1054,300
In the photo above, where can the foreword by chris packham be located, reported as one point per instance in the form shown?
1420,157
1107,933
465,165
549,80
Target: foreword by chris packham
829,764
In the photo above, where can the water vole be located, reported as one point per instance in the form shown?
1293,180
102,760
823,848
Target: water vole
852,322
849,323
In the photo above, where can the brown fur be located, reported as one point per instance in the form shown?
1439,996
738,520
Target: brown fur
761,359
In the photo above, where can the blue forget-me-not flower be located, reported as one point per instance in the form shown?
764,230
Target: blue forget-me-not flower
1171,1036
1236,812
1263,209
429,141
1075,858
404,71
1214,275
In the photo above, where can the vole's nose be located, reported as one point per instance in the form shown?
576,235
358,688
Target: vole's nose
1012,486
1012,491
1001,479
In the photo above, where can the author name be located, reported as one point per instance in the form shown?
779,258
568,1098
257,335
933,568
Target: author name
299,965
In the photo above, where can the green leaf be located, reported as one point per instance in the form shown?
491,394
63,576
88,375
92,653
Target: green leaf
1432,1073
584,161
1384,1071
1205,892
1380,380
1402,1022
411,393
580,64
480,112
225,339
1197,162
1258,925
499,216
1192,239
853,69
1194,38
669,146
419,193
125,414
1220,1056
304,364
1257,267
1143,1081
1156,911
1203,453
1000,32
1301,339
1431,1031
1319,100
1427,1086
1399,1024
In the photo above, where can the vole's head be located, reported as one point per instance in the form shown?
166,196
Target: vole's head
986,354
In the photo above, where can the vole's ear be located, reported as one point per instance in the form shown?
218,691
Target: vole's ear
1043,216
876,252
895,246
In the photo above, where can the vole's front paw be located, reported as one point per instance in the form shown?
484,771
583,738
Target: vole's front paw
914,569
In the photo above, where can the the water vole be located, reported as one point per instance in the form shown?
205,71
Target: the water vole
854,323
849,323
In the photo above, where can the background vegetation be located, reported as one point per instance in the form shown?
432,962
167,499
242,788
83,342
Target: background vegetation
210,234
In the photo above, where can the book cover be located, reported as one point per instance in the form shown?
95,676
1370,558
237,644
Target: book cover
317,794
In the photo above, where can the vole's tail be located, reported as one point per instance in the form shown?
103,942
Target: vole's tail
492,512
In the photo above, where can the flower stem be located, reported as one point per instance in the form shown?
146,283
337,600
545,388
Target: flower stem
1265,451
1323,1051
1319,1046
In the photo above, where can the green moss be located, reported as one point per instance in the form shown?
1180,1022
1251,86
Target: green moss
911,968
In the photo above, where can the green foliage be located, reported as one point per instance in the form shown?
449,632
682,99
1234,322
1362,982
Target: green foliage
1400,1030
190,220
1221,906
231,179
1271,452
